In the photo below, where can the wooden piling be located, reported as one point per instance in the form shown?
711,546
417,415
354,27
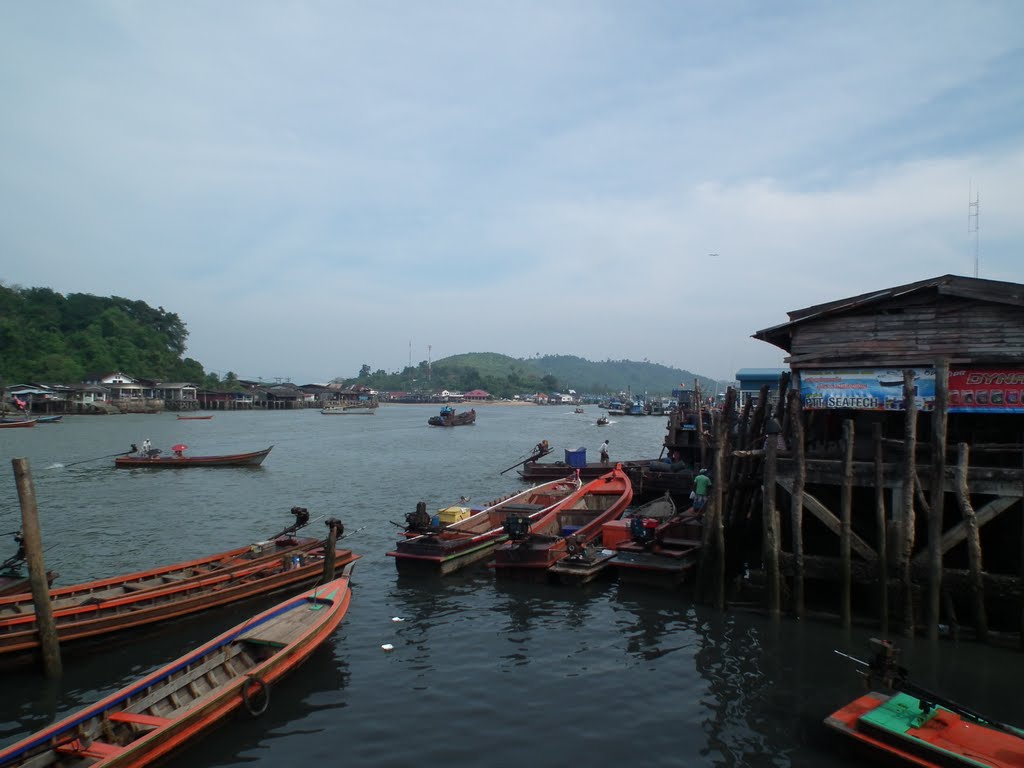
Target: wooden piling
797,501
974,554
880,521
33,543
335,530
846,516
770,530
717,501
909,474
937,496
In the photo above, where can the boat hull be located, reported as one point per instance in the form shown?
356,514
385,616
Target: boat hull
18,424
893,727
253,459
471,540
151,718
81,615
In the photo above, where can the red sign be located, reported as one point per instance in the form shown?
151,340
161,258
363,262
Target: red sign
986,391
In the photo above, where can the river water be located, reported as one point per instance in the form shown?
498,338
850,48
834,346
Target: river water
481,672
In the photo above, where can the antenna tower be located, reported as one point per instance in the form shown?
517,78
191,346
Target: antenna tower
973,222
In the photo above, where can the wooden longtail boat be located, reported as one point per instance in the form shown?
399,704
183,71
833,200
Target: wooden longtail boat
195,418
148,719
655,544
586,564
538,471
473,539
138,460
113,605
916,727
19,423
534,546
449,418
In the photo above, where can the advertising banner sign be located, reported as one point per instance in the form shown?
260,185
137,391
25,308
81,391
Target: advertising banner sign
970,390
875,389
986,391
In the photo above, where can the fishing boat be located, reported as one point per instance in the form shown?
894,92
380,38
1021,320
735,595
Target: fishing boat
602,421
538,471
474,538
194,418
655,544
533,546
585,564
449,418
349,410
914,726
55,419
15,423
106,606
148,719
153,460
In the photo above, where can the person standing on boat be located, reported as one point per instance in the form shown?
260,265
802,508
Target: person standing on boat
701,485
604,453
146,447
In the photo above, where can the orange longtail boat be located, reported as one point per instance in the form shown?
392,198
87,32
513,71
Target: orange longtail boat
107,606
534,546
914,726
149,719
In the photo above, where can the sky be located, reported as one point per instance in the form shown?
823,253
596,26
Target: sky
315,186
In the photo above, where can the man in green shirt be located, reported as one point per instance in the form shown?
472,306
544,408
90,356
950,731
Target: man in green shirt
701,485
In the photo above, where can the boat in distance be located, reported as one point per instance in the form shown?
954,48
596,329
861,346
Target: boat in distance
195,418
18,423
148,719
568,527
137,461
349,410
112,605
472,539
449,418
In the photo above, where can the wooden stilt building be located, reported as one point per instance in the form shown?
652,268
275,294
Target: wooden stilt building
887,482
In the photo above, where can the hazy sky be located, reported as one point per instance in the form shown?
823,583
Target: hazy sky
312,186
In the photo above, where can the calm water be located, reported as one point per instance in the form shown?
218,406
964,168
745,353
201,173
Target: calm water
481,672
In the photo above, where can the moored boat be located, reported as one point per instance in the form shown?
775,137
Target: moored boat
655,544
349,410
154,460
148,719
473,539
538,471
13,580
119,603
533,546
15,423
449,418
914,726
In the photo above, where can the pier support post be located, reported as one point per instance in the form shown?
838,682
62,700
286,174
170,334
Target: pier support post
335,531
33,543
938,495
974,555
770,529
846,516
882,524
796,500
909,471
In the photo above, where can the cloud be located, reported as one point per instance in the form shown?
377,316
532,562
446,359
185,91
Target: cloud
519,179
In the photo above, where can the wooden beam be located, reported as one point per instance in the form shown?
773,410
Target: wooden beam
820,511
958,532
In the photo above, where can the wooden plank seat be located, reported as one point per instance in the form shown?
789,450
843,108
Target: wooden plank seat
523,508
137,718
94,749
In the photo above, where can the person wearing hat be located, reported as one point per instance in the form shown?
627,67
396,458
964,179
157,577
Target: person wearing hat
701,485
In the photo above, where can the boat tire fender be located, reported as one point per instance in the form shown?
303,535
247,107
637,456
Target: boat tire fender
255,697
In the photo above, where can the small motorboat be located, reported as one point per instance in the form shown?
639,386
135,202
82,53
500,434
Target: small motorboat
195,418
914,726
602,421
178,460
147,719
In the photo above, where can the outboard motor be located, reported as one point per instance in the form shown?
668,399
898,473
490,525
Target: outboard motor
517,527
643,530
418,520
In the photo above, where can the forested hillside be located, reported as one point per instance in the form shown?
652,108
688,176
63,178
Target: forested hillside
48,337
